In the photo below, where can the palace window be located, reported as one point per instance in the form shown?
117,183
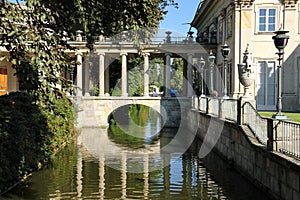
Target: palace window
267,19
220,31
229,25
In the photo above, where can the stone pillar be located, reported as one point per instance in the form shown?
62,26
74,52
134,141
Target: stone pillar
185,79
79,73
87,77
106,75
12,81
101,73
124,74
146,74
168,75
190,75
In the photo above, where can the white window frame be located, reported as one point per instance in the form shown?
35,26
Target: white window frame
267,22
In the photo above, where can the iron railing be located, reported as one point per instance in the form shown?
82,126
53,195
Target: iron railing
288,138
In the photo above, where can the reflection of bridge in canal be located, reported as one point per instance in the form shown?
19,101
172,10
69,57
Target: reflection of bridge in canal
96,146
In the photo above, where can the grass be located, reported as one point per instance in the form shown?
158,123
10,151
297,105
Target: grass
295,117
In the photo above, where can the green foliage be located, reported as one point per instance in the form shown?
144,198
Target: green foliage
177,75
95,17
29,134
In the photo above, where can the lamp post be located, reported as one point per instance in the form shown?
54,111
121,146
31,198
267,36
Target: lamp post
211,59
201,64
280,42
225,53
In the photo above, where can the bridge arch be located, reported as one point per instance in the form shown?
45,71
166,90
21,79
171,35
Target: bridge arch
95,111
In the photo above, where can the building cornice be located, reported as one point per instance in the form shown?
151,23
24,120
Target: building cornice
244,3
289,3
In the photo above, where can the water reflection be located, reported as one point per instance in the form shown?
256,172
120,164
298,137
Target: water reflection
78,173
104,165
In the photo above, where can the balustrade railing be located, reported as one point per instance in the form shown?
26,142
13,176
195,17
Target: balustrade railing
286,135
255,122
119,40
213,106
280,136
230,109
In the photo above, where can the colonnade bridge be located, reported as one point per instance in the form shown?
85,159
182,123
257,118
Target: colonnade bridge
93,71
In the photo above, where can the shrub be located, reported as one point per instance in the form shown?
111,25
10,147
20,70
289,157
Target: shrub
30,134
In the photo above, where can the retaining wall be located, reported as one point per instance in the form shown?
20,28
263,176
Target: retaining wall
276,173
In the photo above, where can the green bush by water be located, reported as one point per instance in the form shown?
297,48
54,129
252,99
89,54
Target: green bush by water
30,134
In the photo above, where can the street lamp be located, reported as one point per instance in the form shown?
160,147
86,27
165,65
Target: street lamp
211,59
280,42
225,53
201,64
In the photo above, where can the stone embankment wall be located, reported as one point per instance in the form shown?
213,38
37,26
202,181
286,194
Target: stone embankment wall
275,173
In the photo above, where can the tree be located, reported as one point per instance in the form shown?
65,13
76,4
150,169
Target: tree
177,74
35,34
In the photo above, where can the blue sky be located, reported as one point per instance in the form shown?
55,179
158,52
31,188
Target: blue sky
176,17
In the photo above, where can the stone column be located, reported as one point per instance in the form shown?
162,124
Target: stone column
79,73
124,74
101,73
146,74
190,75
106,75
87,77
12,81
168,75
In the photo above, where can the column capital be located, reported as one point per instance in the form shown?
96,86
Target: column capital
146,54
168,54
190,54
123,53
100,53
80,53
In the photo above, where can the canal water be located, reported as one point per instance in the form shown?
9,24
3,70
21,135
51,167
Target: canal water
115,164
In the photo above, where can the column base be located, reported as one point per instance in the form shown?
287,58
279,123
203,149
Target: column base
279,116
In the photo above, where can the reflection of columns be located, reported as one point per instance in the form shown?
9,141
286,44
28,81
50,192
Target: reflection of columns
101,73
79,176
101,176
146,74
146,175
79,73
124,175
124,74
190,75
87,77
167,171
168,75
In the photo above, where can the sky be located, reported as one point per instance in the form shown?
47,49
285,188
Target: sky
175,18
